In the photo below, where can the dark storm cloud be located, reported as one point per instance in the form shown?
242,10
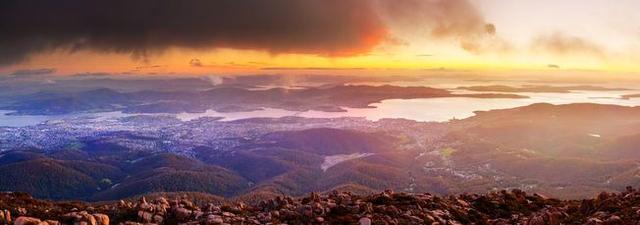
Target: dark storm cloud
30,72
142,27
195,63
91,74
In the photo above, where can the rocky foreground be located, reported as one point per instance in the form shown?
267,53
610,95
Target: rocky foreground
505,207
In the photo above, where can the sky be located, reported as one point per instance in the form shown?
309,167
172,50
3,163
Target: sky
333,36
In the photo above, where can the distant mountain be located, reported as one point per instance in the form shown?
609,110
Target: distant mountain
567,150
538,88
223,98
55,103
575,129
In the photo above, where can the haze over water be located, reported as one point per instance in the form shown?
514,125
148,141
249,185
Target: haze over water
423,110
435,109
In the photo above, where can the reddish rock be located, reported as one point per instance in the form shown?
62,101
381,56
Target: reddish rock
23,220
101,219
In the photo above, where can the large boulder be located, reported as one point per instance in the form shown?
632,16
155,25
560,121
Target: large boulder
101,219
23,220
5,217
81,218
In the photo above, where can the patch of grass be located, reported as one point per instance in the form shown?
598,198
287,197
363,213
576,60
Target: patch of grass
447,152
76,145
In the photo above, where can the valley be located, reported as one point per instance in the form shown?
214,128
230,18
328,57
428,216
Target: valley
251,159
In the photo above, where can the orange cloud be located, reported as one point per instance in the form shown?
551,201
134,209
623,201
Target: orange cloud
438,18
457,20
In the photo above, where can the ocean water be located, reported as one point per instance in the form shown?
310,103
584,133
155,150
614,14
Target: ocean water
425,110
434,109
18,121
444,109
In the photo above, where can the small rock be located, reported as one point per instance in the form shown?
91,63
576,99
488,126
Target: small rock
162,201
101,219
214,219
131,223
158,219
21,211
5,217
145,216
593,221
536,220
613,220
365,221
52,222
182,213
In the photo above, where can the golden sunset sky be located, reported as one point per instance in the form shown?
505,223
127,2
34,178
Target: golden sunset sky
227,37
